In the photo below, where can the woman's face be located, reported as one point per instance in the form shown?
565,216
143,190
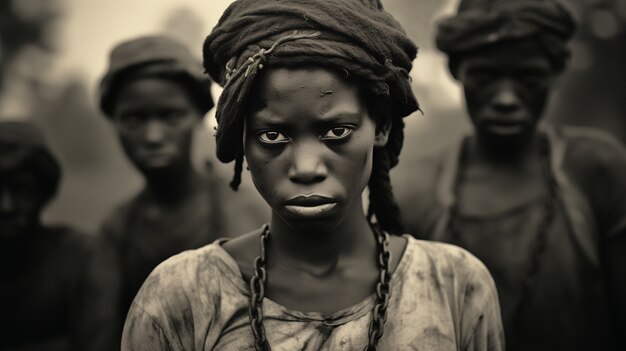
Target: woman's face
506,89
309,143
155,119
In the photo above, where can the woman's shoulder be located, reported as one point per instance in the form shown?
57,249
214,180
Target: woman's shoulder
193,258
462,283
197,272
450,261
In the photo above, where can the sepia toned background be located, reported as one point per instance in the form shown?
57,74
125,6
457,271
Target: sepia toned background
53,52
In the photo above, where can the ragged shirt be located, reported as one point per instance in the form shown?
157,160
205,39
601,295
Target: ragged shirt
442,298
576,301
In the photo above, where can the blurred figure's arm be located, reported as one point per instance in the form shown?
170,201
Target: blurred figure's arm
613,226
104,282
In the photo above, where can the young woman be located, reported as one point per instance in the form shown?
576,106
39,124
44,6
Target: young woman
314,95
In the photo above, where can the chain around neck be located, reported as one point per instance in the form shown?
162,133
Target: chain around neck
383,292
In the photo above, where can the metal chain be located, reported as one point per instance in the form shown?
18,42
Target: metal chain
257,293
537,247
379,314
383,291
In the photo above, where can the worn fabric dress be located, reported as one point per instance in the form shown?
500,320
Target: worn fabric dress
569,307
442,298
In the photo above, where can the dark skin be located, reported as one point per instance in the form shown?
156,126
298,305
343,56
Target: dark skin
506,90
22,197
40,291
310,156
155,119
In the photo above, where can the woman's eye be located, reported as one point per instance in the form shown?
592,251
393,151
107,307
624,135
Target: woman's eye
480,78
131,120
272,137
173,116
336,133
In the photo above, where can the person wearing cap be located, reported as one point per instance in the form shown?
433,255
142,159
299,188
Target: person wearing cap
543,206
44,285
314,97
155,94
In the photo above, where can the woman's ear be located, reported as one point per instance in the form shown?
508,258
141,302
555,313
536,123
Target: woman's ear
382,133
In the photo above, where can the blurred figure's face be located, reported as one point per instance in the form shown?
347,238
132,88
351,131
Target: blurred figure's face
309,145
155,119
22,198
506,88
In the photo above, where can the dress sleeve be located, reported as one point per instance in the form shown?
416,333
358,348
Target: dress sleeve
83,320
105,281
481,321
175,309
143,332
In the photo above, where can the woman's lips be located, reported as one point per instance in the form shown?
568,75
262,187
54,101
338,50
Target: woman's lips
311,211
310,205
506,127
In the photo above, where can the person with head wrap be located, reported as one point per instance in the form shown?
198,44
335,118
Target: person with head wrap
155,94
44,292
314,97
542,206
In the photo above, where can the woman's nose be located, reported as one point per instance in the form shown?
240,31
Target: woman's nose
307,163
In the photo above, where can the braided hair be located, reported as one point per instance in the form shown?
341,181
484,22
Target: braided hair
382,202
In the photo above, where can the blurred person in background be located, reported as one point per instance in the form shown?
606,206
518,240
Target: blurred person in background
544,207
42,271
156,95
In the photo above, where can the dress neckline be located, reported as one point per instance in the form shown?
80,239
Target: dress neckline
342,316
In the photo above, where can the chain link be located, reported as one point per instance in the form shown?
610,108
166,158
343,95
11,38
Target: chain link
539,245
257,293
379,314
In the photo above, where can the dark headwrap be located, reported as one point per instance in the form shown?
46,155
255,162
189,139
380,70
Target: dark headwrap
22,147
353,36
158,56
481,23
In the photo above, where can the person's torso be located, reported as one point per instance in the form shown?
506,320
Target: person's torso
426,308
146,233
38,302
565,305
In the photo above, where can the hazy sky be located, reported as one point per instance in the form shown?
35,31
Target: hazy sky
92,27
